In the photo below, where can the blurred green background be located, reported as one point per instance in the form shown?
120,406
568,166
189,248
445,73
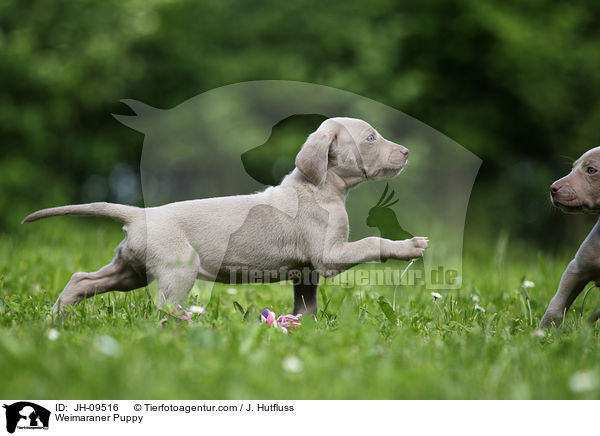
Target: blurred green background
516,83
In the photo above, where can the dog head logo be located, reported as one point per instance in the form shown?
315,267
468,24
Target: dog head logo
236,139
26,415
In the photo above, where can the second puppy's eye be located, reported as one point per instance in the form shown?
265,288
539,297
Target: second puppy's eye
371,138
591,170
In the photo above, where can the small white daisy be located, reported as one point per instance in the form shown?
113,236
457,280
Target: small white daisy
475,299
528,284
52,334
292,364
479,308
583,381
107,345
436,295
538,333
197,309
232,291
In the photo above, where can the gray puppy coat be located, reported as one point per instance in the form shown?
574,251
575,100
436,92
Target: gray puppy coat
300,225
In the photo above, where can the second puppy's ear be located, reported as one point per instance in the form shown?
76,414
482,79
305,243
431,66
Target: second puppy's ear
313,157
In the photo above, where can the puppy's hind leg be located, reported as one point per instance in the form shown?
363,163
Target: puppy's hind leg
116,276
173,288
176,279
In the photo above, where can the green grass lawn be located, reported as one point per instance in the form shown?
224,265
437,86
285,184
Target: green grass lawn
112,347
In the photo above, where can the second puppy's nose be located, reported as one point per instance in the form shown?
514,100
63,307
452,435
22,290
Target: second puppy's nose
554,188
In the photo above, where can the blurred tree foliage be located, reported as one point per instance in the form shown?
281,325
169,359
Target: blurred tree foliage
515,82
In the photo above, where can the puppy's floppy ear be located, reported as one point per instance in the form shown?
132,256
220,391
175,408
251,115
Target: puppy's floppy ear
312,158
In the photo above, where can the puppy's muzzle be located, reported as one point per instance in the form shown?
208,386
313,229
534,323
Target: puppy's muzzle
398,157
562,192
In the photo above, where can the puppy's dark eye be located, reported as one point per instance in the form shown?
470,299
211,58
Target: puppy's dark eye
371,138
591,170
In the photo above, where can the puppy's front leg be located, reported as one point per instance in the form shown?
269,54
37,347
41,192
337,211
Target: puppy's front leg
404,250
305,298
345,255
571,284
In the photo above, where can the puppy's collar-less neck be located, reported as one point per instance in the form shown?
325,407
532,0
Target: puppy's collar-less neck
359,163
364,171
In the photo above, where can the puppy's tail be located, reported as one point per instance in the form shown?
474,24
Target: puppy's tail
120,212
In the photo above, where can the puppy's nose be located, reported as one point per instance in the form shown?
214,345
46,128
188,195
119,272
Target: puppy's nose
397,157
554,188
403,150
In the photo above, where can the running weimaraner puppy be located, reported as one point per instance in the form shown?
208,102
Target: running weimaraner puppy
298,229
578,192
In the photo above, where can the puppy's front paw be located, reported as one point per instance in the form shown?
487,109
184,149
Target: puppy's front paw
58,313
409,248
551,320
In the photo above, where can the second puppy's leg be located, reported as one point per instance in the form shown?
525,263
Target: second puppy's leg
571,284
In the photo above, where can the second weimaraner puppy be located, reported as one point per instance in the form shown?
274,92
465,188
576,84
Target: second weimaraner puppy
578,192
298,229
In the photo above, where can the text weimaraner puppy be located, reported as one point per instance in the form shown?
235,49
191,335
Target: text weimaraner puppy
578,192
299,226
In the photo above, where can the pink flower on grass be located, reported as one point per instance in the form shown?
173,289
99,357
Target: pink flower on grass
285,322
